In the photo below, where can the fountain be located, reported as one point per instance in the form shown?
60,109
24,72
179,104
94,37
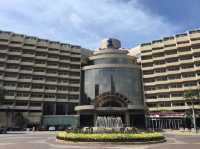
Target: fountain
109,122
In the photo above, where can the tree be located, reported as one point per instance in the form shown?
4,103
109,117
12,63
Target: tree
192,95
2,94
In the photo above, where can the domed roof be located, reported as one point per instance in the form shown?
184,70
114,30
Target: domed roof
110,43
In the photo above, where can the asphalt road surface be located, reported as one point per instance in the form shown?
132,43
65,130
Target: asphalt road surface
46,140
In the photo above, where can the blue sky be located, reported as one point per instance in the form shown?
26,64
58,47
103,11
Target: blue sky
86,22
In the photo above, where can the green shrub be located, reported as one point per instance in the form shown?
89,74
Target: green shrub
110,136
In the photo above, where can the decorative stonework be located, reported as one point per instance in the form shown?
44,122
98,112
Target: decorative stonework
105,99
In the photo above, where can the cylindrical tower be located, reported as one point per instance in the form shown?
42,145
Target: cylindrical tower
111,86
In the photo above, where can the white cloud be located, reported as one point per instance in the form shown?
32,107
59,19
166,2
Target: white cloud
83,22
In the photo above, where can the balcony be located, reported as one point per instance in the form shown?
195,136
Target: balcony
62,92
4,42
54,45
25,80
187,70
149,83
37,89
16,44
12,69
38,81
74,77
50,91
74,92
52,59
40,49
34,108
74,84
10,87
39,73
36,98
189,79
157,74
148,68
194,35
28,55
30,47
158,58
5,35
175,80
194,42
31,41
76,55
65,61
2,59
10,78
64,76
169,42
173,72
9,97
75,70
52,74
160,108
171,56
157,44
170,48
76,62
23,89
146,47
13,61
14,53
182,38
43,43
2,67
41,57
64,68
27,63
185,53
180,45
63,83
17,38
159,66
22,98
50,99
176,89
148,75
173,63
52,66
3,51
146,53
51,82
26,71
177,98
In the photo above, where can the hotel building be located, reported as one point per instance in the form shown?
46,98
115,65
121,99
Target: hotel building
39,79
170,67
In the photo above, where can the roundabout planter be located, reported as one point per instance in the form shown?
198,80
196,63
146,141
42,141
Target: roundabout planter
111,137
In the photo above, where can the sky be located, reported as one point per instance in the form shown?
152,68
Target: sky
87,22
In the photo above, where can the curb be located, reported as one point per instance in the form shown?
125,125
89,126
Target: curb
119,143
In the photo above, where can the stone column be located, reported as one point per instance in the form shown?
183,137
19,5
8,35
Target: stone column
127,119
95,118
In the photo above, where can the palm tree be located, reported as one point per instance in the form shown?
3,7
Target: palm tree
192,95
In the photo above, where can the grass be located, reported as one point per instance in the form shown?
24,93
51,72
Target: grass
110,136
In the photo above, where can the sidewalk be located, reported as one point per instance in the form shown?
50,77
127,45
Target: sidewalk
183,132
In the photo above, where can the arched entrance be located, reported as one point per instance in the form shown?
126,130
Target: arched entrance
112,104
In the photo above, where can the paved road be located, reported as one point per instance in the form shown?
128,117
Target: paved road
46,140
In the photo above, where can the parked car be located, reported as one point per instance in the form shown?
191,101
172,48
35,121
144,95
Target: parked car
52,128
3,130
